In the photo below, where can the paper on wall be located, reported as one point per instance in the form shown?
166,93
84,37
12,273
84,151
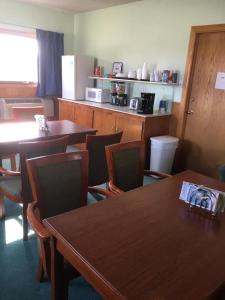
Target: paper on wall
220,81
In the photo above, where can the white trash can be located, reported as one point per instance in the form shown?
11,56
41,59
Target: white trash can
162,153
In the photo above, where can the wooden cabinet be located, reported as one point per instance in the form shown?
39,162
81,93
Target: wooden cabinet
134,127
104,121
66,111
83,115
107,122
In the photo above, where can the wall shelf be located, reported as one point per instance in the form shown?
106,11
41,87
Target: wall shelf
133,81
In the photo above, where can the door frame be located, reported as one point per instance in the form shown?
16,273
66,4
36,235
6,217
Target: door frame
189,70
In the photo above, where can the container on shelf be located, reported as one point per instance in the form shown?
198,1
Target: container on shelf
165,76
139,74
163,106
174,77
144,73
113,87
120,88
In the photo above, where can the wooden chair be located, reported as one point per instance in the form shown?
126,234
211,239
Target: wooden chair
15,185
126,166
26,113
95,144
23,114
59,183
221,173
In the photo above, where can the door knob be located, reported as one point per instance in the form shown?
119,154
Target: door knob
190,112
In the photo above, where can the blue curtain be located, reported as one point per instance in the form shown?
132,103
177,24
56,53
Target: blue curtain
51,48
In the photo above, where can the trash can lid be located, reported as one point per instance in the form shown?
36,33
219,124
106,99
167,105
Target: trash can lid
164,139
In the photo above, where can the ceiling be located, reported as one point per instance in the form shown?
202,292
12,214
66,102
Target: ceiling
77,5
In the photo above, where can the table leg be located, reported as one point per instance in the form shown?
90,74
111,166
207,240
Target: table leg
58,289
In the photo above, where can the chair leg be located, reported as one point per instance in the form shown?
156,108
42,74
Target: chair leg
25,223
2,207
13,162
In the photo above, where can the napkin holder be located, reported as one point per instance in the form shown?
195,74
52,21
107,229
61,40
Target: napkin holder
41,120
203,197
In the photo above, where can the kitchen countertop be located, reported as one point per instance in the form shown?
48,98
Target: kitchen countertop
121,109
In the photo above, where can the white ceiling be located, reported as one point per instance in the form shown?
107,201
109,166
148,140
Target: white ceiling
78,5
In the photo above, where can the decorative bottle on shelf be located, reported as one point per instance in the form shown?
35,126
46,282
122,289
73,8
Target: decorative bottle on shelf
144,74
156,77
139,74
152,76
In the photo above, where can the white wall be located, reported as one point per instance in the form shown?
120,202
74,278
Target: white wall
152,31
20,14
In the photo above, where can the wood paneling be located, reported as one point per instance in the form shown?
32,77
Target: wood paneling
17,90
174,118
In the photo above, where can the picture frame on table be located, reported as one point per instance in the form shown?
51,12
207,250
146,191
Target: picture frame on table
117,67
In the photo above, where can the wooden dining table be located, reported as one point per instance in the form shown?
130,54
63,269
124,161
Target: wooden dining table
11,133
143,244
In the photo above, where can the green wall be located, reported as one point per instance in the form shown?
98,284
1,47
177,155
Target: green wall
20,14
152,31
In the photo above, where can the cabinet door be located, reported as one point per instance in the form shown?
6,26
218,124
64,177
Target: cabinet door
66,111
84,115
132,127
104,122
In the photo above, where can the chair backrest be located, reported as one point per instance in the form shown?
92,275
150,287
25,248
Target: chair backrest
59,182
23,113
126,164
221,173
35,149
95,144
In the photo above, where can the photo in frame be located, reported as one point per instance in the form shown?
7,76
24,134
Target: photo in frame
117,67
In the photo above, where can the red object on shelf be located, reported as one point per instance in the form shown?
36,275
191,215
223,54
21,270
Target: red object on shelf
98,71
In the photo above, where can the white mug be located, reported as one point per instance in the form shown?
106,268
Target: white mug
139,73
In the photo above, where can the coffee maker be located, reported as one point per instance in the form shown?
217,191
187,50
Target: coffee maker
119,100
146,103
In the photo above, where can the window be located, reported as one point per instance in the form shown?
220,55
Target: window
18,57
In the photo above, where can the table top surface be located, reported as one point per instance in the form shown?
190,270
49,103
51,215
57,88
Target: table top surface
22,131
146,243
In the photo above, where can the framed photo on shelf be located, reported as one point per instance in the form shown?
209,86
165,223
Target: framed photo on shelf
117,67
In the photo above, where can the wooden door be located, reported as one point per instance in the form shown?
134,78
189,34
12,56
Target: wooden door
84,115
66,111
132,127
204,136
104,121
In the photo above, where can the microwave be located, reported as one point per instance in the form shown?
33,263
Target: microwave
98,95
